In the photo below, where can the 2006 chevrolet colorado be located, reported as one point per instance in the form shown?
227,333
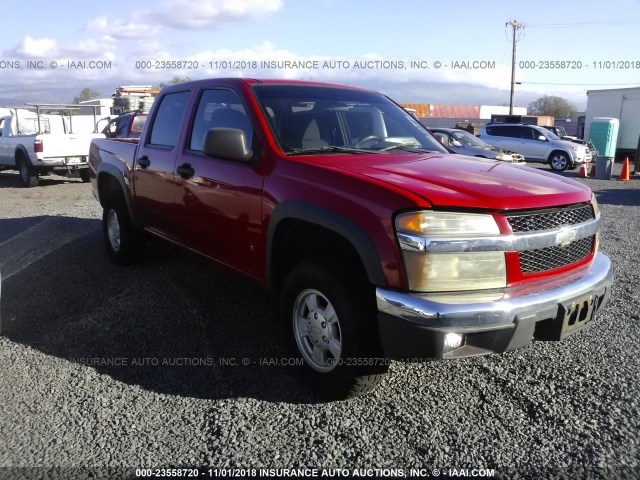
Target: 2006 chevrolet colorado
378,243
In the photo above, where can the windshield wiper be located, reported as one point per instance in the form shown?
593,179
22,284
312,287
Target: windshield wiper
407,148
328,149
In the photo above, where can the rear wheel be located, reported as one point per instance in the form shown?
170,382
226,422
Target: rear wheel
124,243
28,176
559,161
331,318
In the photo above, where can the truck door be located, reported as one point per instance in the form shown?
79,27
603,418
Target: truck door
218,201
153,174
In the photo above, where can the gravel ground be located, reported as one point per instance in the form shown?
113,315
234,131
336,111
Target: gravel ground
565,410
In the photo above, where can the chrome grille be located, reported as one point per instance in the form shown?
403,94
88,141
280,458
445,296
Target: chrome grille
548,258
548,219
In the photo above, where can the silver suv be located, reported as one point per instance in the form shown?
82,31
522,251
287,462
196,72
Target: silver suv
537,144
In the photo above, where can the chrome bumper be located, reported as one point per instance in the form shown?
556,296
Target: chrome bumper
512,315
70,162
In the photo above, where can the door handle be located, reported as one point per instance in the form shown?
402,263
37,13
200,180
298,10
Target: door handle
144,162
185,170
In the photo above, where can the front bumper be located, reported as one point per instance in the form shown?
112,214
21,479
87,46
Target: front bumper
417,325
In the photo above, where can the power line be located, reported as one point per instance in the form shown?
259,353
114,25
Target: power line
603,23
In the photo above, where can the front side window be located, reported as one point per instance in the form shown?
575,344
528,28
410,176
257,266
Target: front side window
166,125
527,133
308,119
219,109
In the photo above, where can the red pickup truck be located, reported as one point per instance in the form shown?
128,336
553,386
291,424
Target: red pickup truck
378,243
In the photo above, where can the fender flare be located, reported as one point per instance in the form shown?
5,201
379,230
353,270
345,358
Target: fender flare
119,177
333,222
21,150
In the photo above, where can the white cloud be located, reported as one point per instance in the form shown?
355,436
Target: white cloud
91,48
182,14
121,29
35,48
203,14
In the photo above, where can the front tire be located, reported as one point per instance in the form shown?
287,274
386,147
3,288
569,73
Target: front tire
28,176
559,161
331,317
124,243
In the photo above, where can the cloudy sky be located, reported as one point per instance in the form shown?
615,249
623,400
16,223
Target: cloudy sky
416,51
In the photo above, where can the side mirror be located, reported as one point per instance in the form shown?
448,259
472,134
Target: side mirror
542,138
227,143
455,143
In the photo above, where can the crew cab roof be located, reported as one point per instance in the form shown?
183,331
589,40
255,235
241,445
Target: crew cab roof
239,82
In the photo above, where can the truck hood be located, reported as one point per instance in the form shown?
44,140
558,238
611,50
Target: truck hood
461,181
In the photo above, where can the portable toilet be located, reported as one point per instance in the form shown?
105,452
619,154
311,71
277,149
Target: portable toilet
604,135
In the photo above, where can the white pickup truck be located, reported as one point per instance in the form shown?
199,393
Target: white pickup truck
35,141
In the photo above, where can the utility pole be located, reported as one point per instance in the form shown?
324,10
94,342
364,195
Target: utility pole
516,26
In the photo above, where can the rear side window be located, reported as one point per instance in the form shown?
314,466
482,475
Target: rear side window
166,125
504,131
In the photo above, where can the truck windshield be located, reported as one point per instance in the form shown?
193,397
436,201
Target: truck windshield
310,119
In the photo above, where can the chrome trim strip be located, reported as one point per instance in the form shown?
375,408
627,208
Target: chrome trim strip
517,303
502,243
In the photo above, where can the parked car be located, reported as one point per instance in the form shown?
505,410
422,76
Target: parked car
377,242
537,144
127,125
464,143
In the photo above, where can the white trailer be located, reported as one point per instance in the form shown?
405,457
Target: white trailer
620,103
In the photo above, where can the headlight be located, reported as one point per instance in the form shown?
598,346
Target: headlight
451,272
448,272
445,224
505,157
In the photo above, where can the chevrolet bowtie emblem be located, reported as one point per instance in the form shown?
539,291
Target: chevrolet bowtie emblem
565,236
